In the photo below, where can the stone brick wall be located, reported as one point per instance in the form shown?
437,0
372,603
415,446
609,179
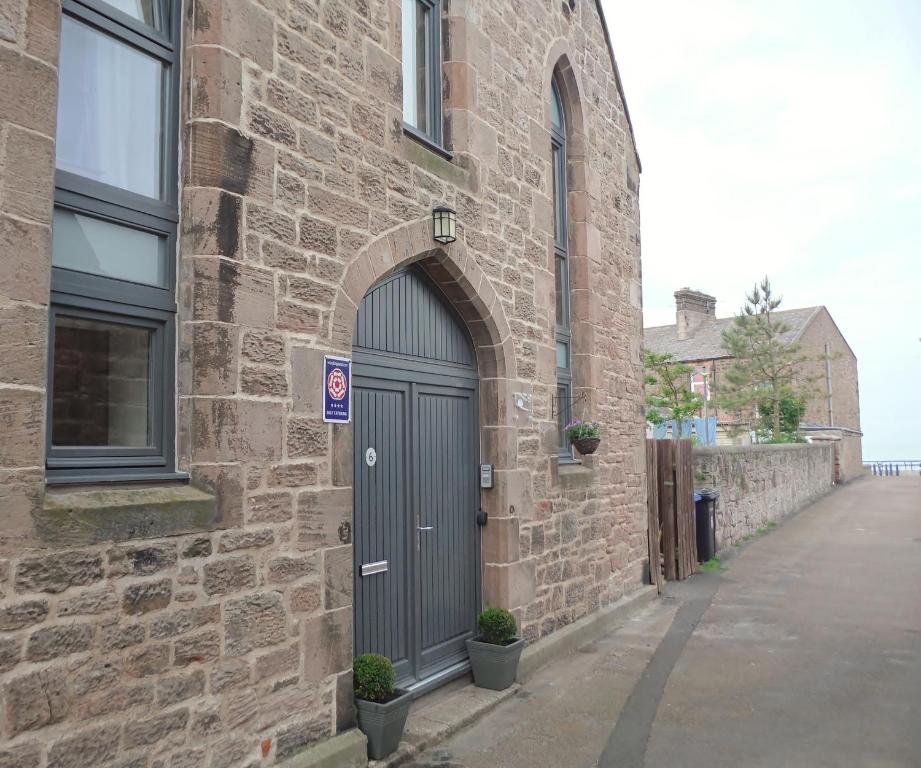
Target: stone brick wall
837,391
28,118
231,646
850,456
848,450
760,483
843,410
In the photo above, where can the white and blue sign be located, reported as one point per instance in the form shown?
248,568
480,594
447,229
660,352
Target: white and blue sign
337,390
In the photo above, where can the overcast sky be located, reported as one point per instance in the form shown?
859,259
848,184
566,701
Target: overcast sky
784,137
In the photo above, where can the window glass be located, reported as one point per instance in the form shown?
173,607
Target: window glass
109,110
421,83
559,195
409,57
142,10
560,285
561,272
88,244
422,50
101,384
563,413
556,112
557,211
562,354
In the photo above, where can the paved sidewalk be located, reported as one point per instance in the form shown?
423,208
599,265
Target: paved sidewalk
808,656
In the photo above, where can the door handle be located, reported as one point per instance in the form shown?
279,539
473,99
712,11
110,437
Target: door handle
425,527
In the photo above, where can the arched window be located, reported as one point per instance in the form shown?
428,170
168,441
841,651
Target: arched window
561,270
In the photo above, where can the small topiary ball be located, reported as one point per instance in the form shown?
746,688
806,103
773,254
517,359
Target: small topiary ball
374,678
497,626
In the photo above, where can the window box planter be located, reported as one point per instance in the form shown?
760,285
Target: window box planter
494,666
383,722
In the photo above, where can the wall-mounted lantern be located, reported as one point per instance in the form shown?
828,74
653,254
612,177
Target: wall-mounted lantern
444,224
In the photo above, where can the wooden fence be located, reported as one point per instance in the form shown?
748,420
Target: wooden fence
672,524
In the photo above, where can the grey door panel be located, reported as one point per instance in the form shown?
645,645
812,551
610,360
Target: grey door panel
415,403
406,317
447,504
381,506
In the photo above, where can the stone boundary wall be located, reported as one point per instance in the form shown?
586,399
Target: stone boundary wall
760,483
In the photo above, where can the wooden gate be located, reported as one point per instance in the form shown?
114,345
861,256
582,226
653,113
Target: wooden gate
672,524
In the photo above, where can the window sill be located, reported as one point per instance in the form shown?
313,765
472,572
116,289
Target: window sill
77,517
420,151
426,141
57,476
574,475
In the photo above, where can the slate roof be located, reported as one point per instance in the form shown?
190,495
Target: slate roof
706,342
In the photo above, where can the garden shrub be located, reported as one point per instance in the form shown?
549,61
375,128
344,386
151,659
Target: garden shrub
374,678
497,626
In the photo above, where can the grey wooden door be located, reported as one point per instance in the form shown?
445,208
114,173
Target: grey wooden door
416,495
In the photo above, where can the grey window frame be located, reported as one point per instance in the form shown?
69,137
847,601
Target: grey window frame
108,299
563,331
434,107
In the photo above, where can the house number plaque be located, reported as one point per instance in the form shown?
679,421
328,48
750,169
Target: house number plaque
370,457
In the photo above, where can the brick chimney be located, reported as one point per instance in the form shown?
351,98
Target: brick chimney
691,309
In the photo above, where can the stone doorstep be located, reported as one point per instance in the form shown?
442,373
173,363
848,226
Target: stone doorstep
440,714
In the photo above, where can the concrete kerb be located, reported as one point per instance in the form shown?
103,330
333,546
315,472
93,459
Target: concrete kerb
587,629
345,750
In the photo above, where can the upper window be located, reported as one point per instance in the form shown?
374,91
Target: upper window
112,322
561,270
422,67
109,110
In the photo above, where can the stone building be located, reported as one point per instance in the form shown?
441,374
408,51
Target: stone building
833,411
199,201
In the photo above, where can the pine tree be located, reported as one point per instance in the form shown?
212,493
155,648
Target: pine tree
766,370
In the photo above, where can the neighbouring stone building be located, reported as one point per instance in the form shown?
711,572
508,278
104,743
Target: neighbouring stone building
832,414
199,200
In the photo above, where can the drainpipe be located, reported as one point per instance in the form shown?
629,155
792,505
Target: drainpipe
831,410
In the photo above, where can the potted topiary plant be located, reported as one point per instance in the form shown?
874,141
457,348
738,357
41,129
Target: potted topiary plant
495,652
584,435
382,708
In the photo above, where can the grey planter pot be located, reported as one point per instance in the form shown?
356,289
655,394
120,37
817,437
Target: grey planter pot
494,666
383,723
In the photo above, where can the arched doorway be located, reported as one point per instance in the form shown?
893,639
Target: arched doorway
416,446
